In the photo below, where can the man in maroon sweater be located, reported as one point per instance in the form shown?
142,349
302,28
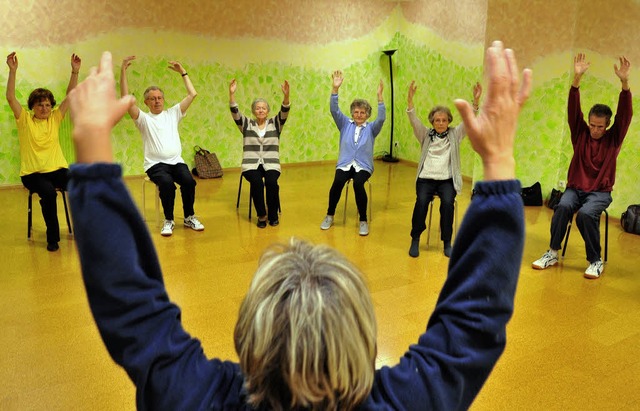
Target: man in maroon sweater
592,171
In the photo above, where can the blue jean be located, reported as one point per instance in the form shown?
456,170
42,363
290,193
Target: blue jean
166,176
588,206
425,190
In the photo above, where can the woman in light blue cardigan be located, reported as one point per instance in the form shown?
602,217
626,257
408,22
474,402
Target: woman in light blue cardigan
355,160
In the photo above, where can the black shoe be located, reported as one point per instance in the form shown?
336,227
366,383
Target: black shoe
52,246
447,250
414,250
274,223
262,223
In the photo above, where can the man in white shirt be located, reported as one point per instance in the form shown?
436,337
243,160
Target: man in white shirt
163,160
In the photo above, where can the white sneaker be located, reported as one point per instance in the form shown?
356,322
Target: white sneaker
167,228
547,260
364,228
594,270
193,223
327,222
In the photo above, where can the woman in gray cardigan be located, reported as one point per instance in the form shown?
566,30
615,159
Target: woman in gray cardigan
439,168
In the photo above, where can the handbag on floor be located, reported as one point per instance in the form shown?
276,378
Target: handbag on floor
207,164
554,198
532,196
630,219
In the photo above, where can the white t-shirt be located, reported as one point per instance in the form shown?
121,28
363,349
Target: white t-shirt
160,136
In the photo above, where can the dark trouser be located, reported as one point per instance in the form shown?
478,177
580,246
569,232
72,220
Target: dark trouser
425,190
45,185
261,181
166,176
340,180
588,206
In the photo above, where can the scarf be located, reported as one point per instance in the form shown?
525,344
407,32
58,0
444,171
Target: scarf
433,134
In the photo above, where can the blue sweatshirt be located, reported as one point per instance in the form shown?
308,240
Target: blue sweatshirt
142,331
362,152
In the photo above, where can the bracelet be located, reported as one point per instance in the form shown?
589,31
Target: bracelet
184,74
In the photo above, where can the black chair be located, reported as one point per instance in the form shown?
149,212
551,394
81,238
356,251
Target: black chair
606,235
250,199
30,211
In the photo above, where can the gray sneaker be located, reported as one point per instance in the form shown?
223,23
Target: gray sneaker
547,260
364,228
327,222
167,228
594,270
193,223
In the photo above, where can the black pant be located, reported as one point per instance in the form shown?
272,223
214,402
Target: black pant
425,190
45,185
166,176
261,181
340,180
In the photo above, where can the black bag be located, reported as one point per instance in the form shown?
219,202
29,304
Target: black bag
554,198
532,196
630,219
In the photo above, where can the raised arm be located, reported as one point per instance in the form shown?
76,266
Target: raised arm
12,62
191,91
285,93
477,93
336,81
134,110
419,129
623,72
380,90
76,62
580,66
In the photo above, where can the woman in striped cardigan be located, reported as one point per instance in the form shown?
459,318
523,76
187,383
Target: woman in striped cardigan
260,153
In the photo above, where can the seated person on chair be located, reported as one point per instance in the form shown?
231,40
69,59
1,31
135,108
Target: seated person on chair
306,330
355,159
438,170
261,151
592,171
163,161
43,168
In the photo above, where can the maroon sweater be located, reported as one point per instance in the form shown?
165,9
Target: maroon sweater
593,166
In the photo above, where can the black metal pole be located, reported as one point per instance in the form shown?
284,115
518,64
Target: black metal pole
389,157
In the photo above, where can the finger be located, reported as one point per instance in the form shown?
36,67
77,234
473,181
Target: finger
525,87
106,63
512,71
121,107
467,115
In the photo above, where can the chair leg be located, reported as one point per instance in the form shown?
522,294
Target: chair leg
430,213
606,235
66,210
370,201
346,199
566,237
29,215
239,191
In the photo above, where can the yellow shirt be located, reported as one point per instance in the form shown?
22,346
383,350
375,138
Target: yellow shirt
40,150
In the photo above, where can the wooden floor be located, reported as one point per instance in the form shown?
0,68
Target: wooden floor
573,344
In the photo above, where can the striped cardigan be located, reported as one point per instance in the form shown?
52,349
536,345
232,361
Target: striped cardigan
260,150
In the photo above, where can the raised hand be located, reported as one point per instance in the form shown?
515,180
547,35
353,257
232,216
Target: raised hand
380,90
76,62
127,62
623,71
337,79
492,132
411,93
580,64
176,66
285,89
233,86
12,61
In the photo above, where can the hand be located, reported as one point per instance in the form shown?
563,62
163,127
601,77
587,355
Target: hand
492,132
380,89
76,61
12,61
477,93
233,86
623,71
94,111
580,65
127,62
337,79
285,89
412,92
177,67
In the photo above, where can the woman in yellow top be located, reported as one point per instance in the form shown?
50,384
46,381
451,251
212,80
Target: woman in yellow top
43,168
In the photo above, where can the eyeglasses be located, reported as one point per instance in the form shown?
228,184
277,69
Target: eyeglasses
155,98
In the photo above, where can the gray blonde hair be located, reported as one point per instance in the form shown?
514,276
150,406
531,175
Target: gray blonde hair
361,103
440,109
259,100
306,332
152,88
